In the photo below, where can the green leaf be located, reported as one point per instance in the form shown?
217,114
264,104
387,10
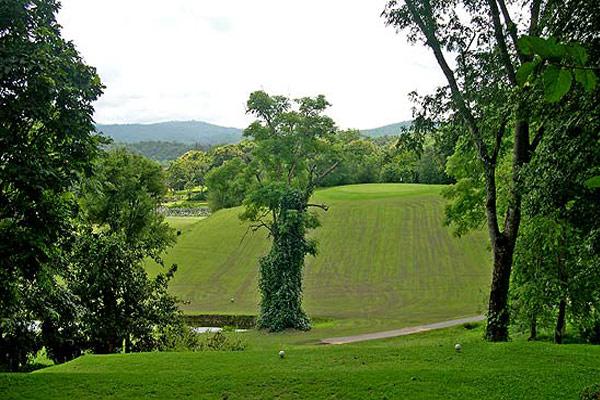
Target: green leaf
577,53
557,83
545,48
593,182
587,79
524,44
526,69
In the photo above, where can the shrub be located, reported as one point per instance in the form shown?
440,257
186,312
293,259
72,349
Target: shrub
591,333
183,338
591,392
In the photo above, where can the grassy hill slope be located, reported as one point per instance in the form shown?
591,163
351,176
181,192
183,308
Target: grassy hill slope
385,259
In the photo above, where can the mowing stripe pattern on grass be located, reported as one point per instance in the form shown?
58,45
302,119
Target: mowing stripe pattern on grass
385,260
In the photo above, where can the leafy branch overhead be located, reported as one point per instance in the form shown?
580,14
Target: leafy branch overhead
557,64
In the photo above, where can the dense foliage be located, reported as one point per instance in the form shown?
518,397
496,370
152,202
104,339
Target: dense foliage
47,143
122,303
505,77
224,171
71,281
557,264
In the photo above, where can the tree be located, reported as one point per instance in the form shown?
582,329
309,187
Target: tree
484,98
227,184
121,302
292,155
360,160
47,143
123,309
557,258
189,170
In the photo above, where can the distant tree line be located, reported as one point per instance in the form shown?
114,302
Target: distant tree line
410,157
162,152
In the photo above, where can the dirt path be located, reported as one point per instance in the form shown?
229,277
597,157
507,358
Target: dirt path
401,332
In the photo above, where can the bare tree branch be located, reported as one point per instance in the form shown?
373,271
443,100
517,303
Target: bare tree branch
511,28
428,30
499,34
321,206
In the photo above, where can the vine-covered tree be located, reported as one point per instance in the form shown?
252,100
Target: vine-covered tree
47,143
293,153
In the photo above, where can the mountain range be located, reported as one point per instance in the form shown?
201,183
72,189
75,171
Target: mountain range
201,133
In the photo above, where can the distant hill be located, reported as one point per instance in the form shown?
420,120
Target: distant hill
198,133
386,130
189,132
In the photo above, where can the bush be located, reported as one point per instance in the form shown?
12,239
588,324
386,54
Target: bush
62,330
591,392
19,340
590,332
183,338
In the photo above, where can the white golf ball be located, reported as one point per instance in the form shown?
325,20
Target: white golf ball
281,354
457,347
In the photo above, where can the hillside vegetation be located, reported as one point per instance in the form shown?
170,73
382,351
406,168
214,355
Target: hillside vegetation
385,260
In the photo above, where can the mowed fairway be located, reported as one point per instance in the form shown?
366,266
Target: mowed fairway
385,260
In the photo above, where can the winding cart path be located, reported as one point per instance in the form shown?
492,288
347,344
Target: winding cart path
401,332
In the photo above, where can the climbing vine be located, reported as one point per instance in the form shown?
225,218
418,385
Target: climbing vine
294,150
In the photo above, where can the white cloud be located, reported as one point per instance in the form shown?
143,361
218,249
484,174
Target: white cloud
184,59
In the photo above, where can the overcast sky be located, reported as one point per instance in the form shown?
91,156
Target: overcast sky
199,59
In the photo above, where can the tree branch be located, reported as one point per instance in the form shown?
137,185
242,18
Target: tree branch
535,17
499,34
313,182
536,140
321,206
498,144
459,101
511,28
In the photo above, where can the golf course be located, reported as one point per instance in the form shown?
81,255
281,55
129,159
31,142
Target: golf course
385,261
299,200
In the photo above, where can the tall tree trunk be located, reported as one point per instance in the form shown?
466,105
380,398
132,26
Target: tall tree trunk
128,343
498,314
503,243
533,328
559,331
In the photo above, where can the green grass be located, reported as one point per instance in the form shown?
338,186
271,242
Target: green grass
385,261
423,366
